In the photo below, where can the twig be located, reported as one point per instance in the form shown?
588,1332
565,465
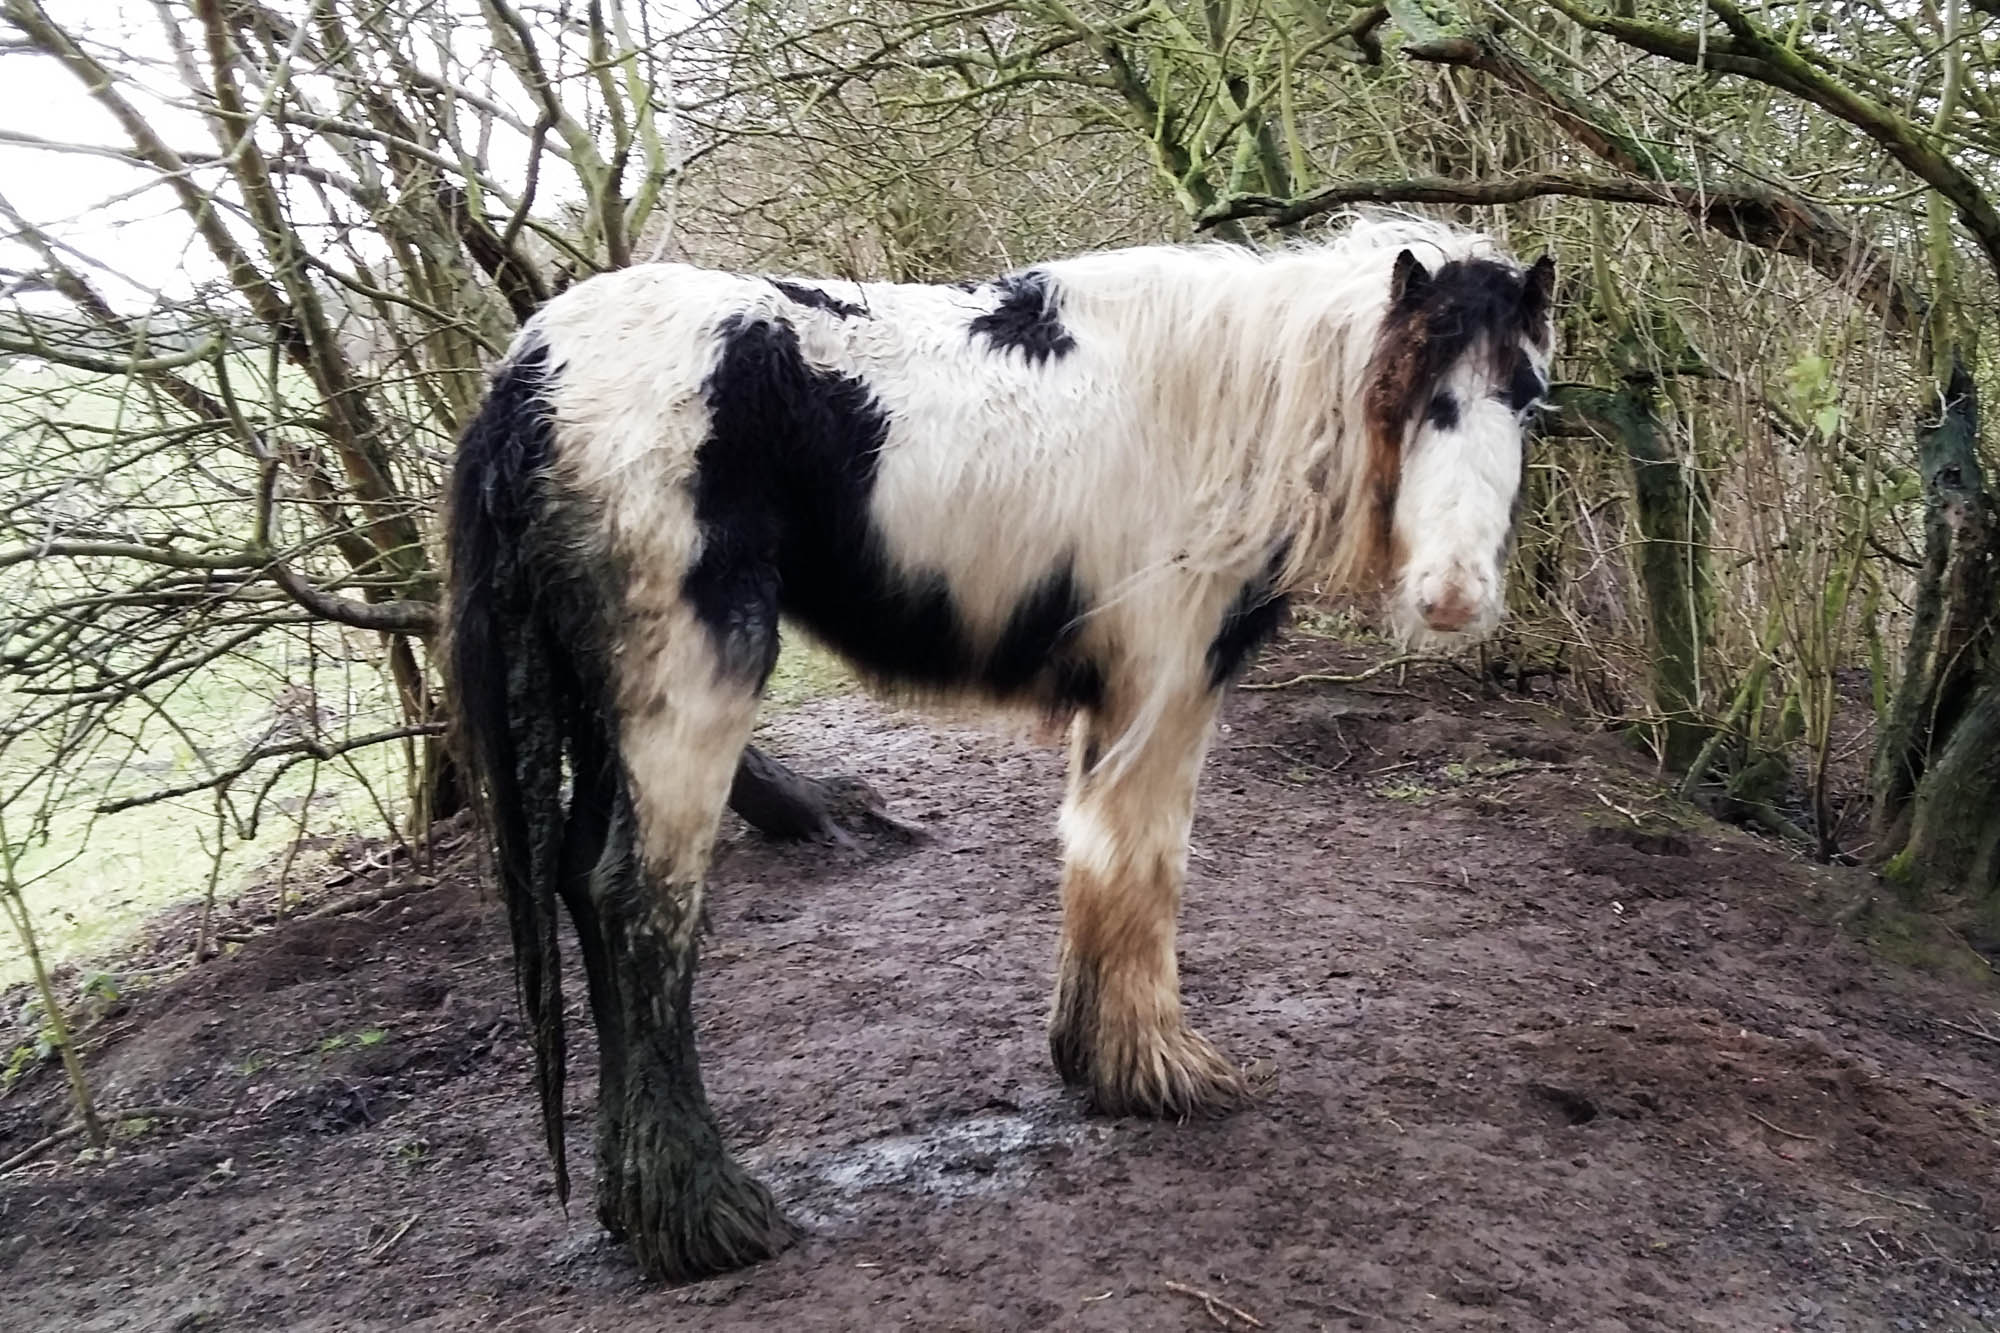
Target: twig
381,1252
1215,1305
1779,1129
1319,678
1877,1194
295,752
1970,1032
1613,805
1935,1081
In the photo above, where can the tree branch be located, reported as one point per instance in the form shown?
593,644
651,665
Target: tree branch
1757,215
1753,53
1768,219
295,752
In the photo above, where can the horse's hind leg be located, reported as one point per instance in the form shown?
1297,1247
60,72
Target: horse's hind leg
1116,1027
685,702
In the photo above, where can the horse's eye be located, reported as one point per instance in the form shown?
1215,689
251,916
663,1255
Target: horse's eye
1443,411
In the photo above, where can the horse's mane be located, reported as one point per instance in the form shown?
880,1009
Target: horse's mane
1254,368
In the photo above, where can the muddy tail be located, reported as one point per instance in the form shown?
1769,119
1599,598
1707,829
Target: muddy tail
518,669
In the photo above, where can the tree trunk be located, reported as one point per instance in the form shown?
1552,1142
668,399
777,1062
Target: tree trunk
1952,857
1673,563
1672,516
1951,633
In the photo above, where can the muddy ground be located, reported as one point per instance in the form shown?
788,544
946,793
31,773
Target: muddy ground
1532,1052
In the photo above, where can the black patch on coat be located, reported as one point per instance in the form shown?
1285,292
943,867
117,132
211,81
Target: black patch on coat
1036,652
805,295
782,493
1443,411
1252,618
1026,319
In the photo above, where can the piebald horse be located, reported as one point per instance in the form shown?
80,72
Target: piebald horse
1085,488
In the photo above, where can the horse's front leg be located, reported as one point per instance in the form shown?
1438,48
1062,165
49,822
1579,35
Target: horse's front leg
1116,1028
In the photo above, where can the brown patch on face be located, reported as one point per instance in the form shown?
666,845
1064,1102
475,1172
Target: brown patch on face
1391,379
1393,375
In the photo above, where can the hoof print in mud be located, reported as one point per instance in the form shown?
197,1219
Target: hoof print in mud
1575,1108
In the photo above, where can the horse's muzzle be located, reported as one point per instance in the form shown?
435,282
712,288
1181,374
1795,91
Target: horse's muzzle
1450,612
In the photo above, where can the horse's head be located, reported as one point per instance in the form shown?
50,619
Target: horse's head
1461,365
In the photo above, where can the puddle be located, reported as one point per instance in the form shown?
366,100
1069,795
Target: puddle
955,1159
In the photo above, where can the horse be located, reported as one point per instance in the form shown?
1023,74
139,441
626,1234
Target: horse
1086,488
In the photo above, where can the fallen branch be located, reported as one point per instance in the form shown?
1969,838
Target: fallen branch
361,902
1347,1310
36,1149
62,1136
169,1113
1877,1194
1980,1033
381,1252
1215,1305
1333,678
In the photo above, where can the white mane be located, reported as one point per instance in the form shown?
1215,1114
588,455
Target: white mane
1256,363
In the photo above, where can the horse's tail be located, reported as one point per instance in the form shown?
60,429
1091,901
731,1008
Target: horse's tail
518,683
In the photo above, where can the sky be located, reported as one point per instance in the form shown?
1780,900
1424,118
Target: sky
89,202
121,216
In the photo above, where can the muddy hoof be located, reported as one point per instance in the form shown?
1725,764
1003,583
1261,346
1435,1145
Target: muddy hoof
727,1221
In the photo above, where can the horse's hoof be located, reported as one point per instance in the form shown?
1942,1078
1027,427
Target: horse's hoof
728,1221
1173,1075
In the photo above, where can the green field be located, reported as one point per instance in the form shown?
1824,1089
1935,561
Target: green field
87,450
93,879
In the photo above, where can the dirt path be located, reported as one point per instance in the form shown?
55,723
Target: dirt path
1525,1065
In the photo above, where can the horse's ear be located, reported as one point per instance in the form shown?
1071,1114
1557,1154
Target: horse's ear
1409,281
1538,292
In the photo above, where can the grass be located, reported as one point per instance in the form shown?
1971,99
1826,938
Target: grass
805,671
92,879
88,879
